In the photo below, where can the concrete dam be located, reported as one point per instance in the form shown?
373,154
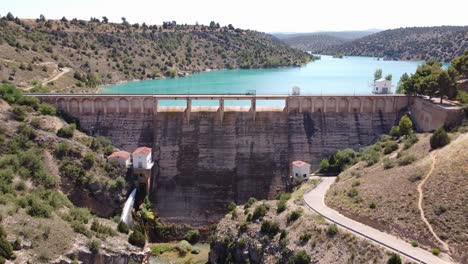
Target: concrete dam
206,157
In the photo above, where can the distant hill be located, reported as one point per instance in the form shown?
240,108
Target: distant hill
414,43
316,42
96,52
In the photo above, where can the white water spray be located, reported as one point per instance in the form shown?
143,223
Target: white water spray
126,216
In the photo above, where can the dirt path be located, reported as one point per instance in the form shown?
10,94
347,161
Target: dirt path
420,207
315,200
56,77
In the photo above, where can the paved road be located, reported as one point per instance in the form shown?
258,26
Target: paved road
315,201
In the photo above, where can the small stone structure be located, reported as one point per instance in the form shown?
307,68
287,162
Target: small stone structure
300,170
142,166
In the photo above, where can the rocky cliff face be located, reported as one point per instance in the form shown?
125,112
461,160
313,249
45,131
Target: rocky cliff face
203,164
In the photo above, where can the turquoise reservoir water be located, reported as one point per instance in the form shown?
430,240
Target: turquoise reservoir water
350,75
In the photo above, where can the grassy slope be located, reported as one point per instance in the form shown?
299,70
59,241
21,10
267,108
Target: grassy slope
118,53
46,238
417,43
321,247
394,193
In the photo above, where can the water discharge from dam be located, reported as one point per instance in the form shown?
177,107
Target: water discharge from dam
126,216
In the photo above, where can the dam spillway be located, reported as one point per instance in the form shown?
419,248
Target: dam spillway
206,157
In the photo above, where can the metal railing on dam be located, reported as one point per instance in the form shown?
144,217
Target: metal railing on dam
149,103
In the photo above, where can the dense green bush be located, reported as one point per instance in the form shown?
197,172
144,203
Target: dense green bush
88,160
394,259
439,138
269,228
293,216
6,249
37,208
260,211
122,228
47,109
305,237
99,228
80,228
390,146
338,161
410,140
231,206
405,126
280,206
395,132
81,215
250,202
243,226
299,257
370,155
435,251
94,246
406,160
20,112
332,230
73,171
137,238
192,236
10,93
67,132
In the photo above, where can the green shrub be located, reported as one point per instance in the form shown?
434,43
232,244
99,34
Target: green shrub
390,146
338,161
353,192
67,132
284,196
94,246
415,177
20,112
81,215
38,208
99,228
405,126
324,165
294,216
439,138
73,171
259,211
192,236
29,101
35,122
250,202
388,163
80,228
372,205
395,132
300,257
243,226
410,141
10,93
231,206
280,206
47,109
394,259
88,160
305,237
435,251
414,243
159,249
370,155
332,230
6,249
406,160
137,238
269,228
122,228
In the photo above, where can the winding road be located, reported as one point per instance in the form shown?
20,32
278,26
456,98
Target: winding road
62,71
315,200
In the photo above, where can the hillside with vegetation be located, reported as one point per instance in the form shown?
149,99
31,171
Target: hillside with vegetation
314,43
286,231
413,43
58,193
98,52
382,185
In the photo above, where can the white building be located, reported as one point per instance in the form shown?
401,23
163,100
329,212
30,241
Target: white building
300,170
121,157
142,158
382,86
296,90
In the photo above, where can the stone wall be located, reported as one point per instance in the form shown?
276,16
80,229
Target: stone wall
206,157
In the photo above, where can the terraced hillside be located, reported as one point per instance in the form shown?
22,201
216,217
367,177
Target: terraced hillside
385,195
413,43
96,52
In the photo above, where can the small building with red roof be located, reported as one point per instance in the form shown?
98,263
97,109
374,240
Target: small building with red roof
300,170
142,158
121,157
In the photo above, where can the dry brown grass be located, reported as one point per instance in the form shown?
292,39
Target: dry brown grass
393,194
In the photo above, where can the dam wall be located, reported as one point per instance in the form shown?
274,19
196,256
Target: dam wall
206,157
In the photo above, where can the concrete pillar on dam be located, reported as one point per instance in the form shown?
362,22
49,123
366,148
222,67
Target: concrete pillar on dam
221,109
253,107
188,109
